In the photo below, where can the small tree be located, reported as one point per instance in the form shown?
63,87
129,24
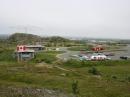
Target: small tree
94,71
75,88
114,76
128,78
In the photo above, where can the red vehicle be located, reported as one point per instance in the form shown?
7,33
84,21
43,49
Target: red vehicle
97,48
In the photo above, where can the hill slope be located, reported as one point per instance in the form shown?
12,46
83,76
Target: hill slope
24,38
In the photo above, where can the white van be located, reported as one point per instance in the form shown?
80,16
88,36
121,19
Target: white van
98,57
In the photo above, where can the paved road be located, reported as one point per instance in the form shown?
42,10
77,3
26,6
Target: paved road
121,53
68,54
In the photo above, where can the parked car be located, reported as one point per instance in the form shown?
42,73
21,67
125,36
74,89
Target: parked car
110,54
84,58
124,57
98,57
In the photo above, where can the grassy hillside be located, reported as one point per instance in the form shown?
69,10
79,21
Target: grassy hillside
95,79
112,81
23,38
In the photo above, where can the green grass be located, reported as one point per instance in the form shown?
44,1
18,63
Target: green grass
27,75
112,82
78,48
78,64
7,55
46,56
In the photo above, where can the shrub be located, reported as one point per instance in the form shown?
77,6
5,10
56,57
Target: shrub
73,63
114,76
128,78
75,88
93,71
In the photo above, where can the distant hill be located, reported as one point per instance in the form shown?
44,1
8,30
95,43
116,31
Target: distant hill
24,38
4,36
55,39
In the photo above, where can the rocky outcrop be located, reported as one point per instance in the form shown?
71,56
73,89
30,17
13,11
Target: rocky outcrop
31,92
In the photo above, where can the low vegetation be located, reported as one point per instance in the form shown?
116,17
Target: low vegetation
46,56
112,82
81,78
80,48
7,55
79,64
94,71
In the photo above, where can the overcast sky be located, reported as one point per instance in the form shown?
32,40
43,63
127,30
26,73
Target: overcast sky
85,18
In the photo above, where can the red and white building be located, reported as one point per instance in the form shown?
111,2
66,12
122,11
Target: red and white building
22,53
